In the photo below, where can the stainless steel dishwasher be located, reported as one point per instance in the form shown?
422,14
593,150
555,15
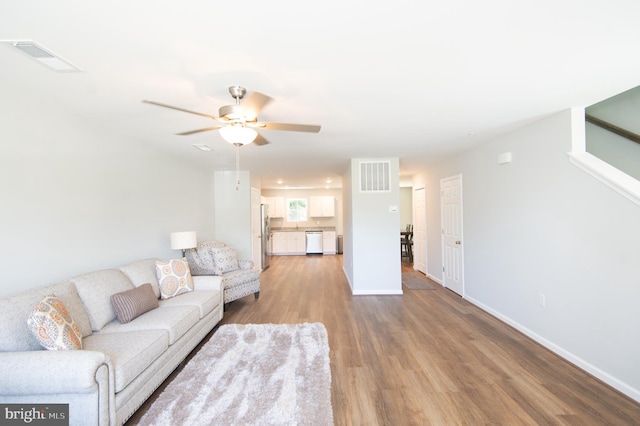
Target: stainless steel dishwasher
314,242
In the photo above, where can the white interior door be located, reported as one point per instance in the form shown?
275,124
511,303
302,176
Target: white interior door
452,253
256,230
420,230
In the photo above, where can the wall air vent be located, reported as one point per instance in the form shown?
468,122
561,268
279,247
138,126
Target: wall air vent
42,55
374,176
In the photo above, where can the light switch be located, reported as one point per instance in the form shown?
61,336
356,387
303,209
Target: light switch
504,158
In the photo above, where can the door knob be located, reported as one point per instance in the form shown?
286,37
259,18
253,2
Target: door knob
458,242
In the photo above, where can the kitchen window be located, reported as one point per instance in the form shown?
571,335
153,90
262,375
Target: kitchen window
297,209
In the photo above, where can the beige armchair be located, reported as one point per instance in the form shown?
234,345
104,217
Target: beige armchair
239,277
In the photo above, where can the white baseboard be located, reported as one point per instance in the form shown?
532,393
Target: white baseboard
617,384
377,292
370,292
436,279
344,271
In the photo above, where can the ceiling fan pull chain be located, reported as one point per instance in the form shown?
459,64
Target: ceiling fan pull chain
237,166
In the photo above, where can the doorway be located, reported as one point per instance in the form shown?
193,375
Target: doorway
406,223
256,238
420,231
452,248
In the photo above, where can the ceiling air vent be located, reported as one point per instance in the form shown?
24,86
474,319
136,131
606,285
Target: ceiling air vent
374,176
42,55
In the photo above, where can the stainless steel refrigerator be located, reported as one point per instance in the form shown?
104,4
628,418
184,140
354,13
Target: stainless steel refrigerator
265,236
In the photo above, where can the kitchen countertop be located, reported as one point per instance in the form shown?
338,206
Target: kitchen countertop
303,229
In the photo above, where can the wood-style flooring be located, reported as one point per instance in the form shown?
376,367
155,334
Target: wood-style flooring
427,357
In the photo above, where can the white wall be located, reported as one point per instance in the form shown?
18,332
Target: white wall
347,212
375,235
232,211
76,199
406,206
541,225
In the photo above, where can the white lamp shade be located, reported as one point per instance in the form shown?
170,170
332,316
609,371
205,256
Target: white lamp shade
183,240
238,134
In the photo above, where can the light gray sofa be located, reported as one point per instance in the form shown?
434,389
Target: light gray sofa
120,365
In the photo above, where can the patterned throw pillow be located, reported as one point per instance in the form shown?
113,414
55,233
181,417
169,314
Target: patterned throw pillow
174,277
224,259
132,303
51,324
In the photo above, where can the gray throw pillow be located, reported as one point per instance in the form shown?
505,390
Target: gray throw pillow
132,303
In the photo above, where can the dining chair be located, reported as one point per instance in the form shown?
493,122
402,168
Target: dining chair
406,245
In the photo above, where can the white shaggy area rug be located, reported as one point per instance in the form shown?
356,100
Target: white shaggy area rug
252,374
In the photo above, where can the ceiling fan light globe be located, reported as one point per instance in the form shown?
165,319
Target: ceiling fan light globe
238,134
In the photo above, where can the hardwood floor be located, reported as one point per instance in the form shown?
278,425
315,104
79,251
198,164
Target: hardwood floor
427,357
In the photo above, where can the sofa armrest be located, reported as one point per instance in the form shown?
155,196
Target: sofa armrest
207,282
53,372
245,264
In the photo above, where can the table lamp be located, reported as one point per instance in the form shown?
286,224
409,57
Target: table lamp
183,240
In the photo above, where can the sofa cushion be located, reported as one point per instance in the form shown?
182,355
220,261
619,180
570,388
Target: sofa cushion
205,300
225,259
176,320
15,309
141,272
130,353
240,283
174,277
133,303
53,326
241,276
95,290
245,264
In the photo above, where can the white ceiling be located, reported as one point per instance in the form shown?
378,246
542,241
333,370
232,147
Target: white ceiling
418,80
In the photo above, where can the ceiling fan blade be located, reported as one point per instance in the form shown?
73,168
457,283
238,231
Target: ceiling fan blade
260,140
206,129
180,109
254,104
291,127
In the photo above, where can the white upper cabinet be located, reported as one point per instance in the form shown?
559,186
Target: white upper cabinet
322,207
276,206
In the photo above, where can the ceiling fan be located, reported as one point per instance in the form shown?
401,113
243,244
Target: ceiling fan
238,124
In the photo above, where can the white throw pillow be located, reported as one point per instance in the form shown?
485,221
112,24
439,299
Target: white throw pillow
174,277
52,325
224,259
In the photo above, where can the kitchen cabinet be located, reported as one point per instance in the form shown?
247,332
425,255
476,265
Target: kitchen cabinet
296,243
328,242
289,243
279,243
276,206
322,207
